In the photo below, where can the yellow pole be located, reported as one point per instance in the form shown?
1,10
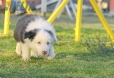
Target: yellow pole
103,20
7,17
57,11
26,6
78,20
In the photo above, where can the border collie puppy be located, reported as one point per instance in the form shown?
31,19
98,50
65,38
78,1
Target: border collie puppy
34,36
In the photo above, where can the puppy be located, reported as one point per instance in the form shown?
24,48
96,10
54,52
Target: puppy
34,36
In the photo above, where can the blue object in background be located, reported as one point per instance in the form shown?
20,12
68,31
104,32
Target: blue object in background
16,5
74,1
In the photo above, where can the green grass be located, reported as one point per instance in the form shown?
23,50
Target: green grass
72,59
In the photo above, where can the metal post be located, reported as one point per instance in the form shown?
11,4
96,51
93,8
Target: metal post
7,17
43,7
78,20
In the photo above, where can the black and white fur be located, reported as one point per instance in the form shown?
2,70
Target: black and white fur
34,36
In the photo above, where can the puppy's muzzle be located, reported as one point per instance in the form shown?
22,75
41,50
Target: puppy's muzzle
44,52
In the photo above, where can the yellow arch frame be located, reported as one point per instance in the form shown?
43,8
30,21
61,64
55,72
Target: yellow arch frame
79,18
56,12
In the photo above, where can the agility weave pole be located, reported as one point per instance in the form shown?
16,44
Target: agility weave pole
78,20
7,17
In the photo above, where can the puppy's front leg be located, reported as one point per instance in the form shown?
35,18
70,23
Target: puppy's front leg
25,52
34,54
51,54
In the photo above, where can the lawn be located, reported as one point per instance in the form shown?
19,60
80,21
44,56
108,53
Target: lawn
73,59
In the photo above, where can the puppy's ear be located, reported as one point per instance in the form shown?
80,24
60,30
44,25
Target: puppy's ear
52,34
31,34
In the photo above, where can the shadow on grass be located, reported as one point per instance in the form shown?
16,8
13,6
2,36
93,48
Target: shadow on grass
86,56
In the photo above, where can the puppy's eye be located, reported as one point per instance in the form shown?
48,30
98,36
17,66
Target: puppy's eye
48,43
39,42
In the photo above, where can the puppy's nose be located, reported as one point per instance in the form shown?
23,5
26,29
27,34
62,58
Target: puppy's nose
44,52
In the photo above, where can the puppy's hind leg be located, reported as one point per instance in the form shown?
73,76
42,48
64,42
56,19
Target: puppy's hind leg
18,48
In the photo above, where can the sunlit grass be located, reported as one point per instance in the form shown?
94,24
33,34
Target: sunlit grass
72,59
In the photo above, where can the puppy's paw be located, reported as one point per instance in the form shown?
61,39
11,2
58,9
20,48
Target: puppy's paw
26,58
50,58
36,56
19,53
18,49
